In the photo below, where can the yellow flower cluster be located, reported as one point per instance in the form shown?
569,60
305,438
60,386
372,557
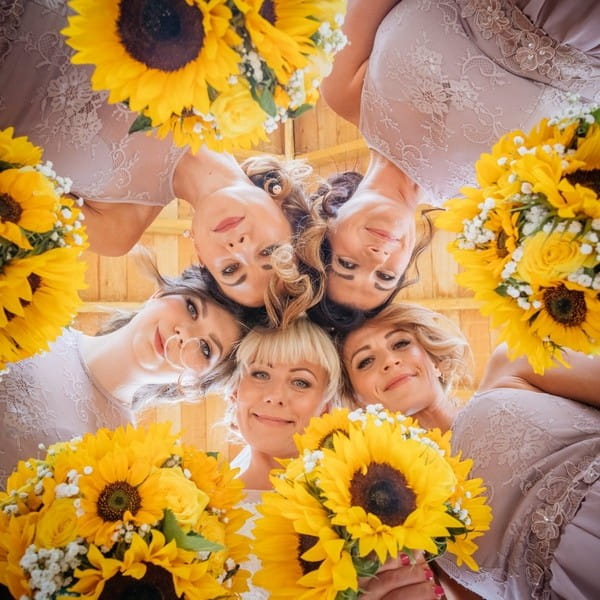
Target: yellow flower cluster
41,239
528,238
367,485
125,509
218,72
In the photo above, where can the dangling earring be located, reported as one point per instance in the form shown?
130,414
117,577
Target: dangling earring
437,372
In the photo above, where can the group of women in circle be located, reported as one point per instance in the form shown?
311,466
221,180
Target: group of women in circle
291,309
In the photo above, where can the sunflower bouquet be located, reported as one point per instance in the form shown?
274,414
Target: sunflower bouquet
41,239
367,485
129,513
218,72
528,238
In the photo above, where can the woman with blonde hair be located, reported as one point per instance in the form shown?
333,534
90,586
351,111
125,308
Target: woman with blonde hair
241,213
535,441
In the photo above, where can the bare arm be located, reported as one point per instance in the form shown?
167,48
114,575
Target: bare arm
113,229
343,87
581,382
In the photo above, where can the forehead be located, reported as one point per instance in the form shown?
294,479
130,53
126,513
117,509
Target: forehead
370,333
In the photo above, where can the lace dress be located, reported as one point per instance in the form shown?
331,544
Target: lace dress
44,96
51,397
539,456
447,78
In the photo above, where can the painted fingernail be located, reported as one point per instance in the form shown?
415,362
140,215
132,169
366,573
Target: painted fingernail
438,590
428,573
405,560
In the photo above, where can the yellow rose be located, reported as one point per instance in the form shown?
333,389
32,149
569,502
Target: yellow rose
236,112
186,501
57,525
550,257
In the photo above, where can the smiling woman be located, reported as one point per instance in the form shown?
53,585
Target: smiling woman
177,345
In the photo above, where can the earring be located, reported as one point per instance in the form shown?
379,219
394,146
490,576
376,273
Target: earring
187,233
437,372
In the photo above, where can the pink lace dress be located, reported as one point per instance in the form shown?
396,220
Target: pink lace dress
44,96
49,398
539,456
447,78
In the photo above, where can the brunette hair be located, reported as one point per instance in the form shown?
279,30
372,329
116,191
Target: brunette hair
327,199
440,337
191,282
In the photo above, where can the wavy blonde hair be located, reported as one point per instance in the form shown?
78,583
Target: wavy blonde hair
440,337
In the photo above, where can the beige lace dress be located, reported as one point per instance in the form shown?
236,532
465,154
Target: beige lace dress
447,78
539,456
50,100
52,397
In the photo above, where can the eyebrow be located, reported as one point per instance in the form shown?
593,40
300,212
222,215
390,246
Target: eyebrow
365,347
342,275
390,333
234,283
303,369
216,342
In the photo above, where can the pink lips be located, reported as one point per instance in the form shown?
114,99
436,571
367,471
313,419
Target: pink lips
158,343
227,224
397,381
381,233
268,420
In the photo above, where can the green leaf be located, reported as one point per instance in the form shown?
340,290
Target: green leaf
141,123
300,110
7,165
213,454
265,99
502,290
186,541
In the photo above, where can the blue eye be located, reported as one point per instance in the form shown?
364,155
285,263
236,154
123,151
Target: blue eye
192,308
230,269
261,375
301,383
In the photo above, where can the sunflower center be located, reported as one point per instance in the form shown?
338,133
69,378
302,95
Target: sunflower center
161,34
116,498
156,584
501,251
306,542
589,179
10,210
267,11
384,492
565,306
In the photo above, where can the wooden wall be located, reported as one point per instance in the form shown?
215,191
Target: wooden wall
330,145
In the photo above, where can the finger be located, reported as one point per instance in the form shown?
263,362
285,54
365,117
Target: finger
403,560
417,591
384,582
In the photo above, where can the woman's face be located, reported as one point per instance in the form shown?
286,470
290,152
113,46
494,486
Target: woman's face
236,230
275,401
372,238
388,365
180,332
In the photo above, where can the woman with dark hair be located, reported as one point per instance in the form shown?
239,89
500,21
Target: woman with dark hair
431,86
241,213
175,347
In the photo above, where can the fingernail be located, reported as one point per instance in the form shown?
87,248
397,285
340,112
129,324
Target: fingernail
438,590
428,573
405,560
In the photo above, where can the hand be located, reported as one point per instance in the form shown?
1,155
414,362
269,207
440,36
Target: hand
414,580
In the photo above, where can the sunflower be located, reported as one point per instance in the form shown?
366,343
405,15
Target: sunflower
388,492
160,57
27,202
39,297
116,490
17,151
153,568
569,315
295,564
320,431
156,442
15,537
281,30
